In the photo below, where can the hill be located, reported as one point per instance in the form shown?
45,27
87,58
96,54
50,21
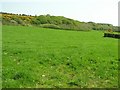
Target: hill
56,22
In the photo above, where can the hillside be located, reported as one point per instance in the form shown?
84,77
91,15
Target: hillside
56,22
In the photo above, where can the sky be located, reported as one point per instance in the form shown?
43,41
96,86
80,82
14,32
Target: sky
99,11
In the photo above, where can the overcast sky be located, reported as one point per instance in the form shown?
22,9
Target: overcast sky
100,11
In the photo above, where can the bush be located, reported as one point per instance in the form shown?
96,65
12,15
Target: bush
13,22
50,26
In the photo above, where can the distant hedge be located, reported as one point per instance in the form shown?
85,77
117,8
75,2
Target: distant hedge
113,35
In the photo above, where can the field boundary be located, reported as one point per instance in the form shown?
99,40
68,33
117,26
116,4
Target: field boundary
112,35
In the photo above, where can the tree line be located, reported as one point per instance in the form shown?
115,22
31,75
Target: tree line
55,22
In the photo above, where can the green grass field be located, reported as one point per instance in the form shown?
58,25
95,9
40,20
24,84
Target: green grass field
48,58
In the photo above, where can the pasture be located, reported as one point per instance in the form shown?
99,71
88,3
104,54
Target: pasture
50,58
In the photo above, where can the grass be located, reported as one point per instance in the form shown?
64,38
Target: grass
0,56
48,58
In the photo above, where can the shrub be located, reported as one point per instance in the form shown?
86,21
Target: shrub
50,26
